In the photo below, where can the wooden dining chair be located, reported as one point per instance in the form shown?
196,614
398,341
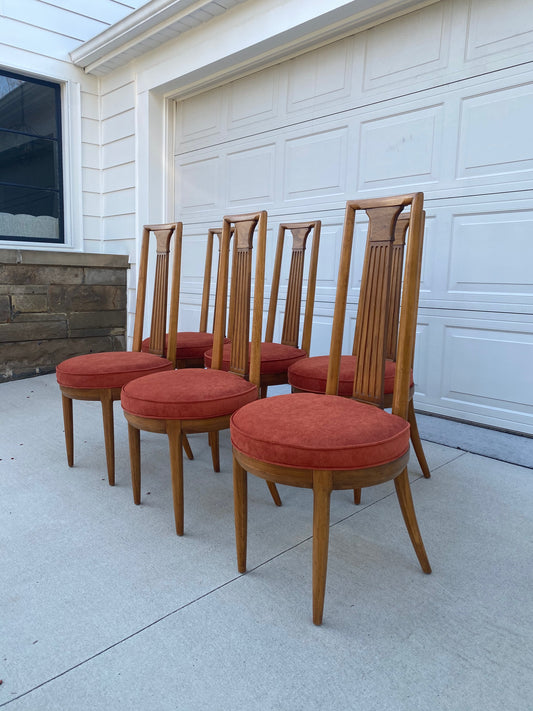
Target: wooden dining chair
100,376
310,375
191,345
202,400
277,357
327,442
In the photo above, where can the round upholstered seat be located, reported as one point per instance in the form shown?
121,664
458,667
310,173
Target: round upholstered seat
188,394
304,430
108,370
311,375
189,344
275,357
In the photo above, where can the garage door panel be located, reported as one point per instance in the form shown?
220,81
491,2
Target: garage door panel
315,165
421,44
401,149
200,117
487,255
496,135
254,98
198,184
495,28
249,177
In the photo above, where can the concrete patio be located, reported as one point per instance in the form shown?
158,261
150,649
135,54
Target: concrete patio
104,607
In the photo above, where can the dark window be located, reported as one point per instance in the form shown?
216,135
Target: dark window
31,188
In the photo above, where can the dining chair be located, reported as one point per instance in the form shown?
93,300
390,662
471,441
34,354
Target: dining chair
195,400
310,375
191,345
328,442
100,376
277,357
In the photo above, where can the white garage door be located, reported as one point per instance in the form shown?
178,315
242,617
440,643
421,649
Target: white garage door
440,101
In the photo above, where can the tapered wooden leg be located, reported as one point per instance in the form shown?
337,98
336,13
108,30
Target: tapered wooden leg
322,487
187,447
357,496
416,441
240,500
263,391
274,493
134,437
69,428
109,436
215,450
175,444
403,491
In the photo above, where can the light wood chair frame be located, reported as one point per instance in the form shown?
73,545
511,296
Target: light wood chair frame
164,234
370,379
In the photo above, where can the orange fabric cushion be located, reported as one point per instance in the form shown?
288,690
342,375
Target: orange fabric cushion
189,344
275,357
108,370
187,394
309,431
311,375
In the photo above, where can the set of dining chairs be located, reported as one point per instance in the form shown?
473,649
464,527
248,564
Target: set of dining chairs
349,419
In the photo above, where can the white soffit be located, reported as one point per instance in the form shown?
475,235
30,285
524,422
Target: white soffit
160,21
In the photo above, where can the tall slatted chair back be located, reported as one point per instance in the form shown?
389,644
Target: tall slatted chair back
245,354
290,334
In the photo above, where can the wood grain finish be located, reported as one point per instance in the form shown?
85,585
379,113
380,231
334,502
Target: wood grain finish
383,215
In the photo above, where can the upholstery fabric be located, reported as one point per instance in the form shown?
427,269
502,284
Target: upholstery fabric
275,357
189,344
305,430
311,375
187,394
108,370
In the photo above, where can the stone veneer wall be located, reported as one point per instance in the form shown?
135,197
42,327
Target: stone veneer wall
54,305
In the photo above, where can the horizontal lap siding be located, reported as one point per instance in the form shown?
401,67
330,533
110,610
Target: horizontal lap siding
439,100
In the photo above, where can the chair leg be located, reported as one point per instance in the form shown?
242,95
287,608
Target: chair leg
322,487
215,450
109,436
240,500
403,491
263,391
417,443
69,428
134,437
274,493
187,447
175,445
357,496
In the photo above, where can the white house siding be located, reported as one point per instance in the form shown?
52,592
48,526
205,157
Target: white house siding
439,100
36,38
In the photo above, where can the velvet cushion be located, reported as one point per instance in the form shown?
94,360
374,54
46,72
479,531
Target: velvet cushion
189,344
275,357
310,431
311,375
187,394
108,370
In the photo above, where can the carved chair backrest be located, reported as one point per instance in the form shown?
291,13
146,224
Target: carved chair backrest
245,352
163,235
290,334
375,327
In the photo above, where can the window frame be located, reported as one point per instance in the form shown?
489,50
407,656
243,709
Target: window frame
58,90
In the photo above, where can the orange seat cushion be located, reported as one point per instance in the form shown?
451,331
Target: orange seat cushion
275,357
311,375
189,344
309,431
187,394
108,370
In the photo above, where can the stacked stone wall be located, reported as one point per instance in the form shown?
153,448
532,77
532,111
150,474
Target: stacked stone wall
54,305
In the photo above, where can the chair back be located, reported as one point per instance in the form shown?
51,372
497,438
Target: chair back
382,290
206,291
291,323
245,352
163,235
